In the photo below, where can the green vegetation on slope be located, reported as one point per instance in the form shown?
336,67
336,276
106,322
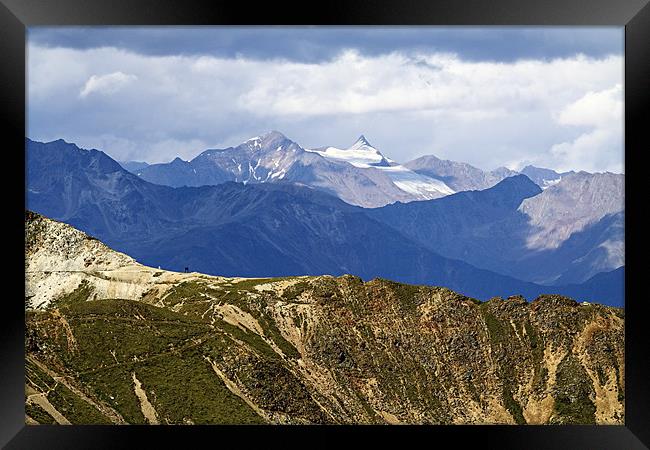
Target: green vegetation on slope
390,351
115,338
573,394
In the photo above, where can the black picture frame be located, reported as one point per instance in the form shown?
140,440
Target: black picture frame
634,15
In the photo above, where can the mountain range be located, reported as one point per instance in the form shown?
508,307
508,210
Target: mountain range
288,228
359,175
566,233
457,175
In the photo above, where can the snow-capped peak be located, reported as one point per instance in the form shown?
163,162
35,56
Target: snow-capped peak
360,154
362,141
362,144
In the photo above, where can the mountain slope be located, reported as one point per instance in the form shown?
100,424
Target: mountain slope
458,176
90,190
599,247
481,227
133,166
577,200
543,177
606,284
133,344
564,234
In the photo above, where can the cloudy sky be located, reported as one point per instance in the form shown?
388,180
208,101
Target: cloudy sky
549,96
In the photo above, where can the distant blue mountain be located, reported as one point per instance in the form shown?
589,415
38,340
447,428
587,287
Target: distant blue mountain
543,177
257,230
133,166
179,173
564,232
603,285
491,230
458,175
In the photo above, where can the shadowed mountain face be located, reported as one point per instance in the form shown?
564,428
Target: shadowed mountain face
92,191
466,225
565,234
110,341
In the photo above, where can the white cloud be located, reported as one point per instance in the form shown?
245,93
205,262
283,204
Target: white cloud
601,113
587,150
353,84
106,84
558,113
595,108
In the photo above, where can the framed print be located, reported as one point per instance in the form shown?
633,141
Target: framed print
329,220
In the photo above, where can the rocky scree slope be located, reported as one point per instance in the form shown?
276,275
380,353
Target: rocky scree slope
124,343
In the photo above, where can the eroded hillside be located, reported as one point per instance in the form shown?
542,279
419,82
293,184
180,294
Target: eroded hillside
112,341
